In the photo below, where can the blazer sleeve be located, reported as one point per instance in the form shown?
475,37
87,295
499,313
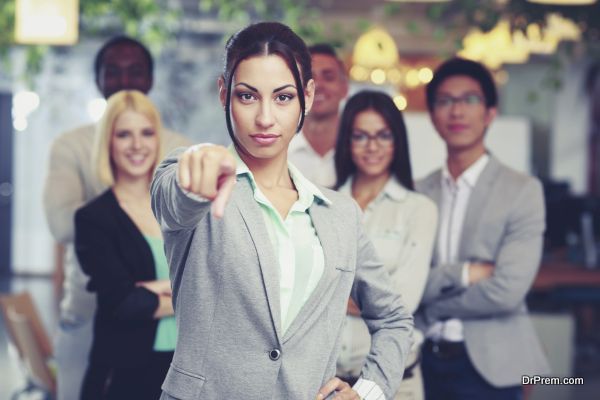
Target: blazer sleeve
410,278
173,208
389,322
115,286
444,280
516,264
63,191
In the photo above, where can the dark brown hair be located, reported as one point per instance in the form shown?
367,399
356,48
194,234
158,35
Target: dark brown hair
266,38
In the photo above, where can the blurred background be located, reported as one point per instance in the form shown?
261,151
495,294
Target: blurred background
544,54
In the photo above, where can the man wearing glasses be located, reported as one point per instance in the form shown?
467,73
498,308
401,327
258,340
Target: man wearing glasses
479,339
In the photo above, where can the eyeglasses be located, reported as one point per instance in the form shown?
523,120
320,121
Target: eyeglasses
361,139
443,102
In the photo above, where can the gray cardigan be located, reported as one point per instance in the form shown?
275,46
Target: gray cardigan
226,296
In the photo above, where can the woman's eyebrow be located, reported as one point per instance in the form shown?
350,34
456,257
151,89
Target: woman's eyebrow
251,88
283,87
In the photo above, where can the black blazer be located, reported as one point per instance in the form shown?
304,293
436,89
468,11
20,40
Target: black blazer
114,254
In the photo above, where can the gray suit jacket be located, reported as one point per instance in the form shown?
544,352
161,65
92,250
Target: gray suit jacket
226,296
504,224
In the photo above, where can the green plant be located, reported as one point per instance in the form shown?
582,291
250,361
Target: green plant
152,21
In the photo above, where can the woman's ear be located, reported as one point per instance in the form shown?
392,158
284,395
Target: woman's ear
222,91
309,95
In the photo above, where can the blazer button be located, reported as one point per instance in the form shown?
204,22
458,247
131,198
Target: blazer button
275,354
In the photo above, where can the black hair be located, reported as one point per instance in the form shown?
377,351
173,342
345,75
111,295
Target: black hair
323,48
382,104
266,38
460,66
120,40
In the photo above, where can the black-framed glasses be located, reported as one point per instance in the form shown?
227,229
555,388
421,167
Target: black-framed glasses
471,99
362,139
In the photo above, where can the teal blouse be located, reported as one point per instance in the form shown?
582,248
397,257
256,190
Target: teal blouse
166,332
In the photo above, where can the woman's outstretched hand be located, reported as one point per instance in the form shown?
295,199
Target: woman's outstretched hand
208,171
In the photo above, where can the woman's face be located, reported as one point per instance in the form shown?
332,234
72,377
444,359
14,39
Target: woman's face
265,109
133,146
371,144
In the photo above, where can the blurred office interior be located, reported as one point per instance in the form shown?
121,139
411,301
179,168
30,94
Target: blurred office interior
545,59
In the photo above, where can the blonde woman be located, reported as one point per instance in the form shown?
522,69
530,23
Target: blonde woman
119,245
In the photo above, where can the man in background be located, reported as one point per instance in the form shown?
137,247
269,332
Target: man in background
122,63
312,149
479,339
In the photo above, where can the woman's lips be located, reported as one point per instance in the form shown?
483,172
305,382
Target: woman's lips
265,139
372,160
137,159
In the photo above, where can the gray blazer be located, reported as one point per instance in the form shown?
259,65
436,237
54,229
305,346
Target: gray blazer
226,297
504,224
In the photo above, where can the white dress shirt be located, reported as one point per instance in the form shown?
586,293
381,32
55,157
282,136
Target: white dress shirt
453,209
316,168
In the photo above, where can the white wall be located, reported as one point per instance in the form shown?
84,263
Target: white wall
509,139
570,129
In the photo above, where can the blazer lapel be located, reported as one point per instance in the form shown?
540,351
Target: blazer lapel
269,265
144,254
477,205
328,237
432,188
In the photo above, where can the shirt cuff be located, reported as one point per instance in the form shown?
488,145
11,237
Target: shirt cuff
368,390
465,274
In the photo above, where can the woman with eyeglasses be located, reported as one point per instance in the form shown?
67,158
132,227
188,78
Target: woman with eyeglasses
373,166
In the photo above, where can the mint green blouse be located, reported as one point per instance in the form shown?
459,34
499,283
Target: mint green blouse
294,240
166,332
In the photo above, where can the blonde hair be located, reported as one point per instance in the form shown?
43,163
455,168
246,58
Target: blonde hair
116,105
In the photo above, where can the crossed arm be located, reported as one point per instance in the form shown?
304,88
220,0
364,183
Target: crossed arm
501,287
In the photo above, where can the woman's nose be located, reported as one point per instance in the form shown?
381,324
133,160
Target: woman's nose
265,118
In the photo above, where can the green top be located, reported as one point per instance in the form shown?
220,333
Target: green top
294,240
166,332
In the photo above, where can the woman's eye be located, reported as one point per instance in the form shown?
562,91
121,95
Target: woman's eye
284,98
386,136
148,132
245,97
358,137
122,134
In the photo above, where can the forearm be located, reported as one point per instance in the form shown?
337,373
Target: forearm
515,265
138,304
443,281
499,294
389,322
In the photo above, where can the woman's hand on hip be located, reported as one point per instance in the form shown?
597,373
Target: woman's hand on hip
208,171
343,391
